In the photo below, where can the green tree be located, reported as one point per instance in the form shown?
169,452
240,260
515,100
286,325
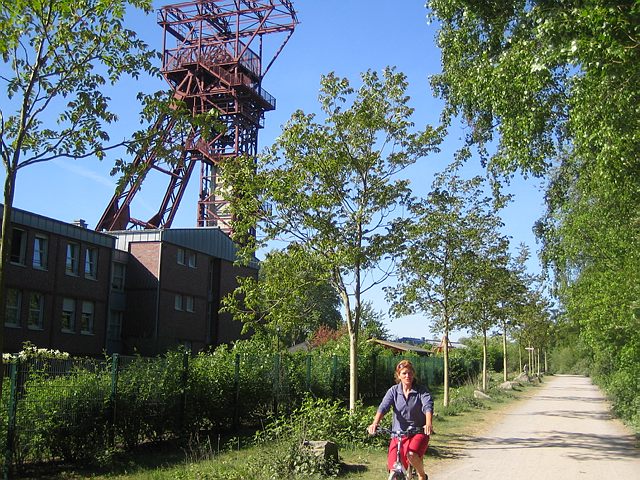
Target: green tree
334,187
59,60
485,308
552,89
441,262
516,283
290,299
372,323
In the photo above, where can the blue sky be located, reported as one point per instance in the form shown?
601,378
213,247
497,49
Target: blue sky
344,36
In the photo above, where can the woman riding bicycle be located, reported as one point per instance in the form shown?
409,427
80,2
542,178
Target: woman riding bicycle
412,407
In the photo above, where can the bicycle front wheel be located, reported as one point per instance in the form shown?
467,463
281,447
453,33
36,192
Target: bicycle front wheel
396,476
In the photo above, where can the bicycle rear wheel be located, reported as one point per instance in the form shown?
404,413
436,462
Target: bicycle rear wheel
396,476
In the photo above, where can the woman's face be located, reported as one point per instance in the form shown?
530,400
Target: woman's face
406,377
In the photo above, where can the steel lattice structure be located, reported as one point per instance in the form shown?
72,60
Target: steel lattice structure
213,60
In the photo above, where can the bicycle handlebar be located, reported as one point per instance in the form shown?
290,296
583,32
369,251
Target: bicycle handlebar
399,433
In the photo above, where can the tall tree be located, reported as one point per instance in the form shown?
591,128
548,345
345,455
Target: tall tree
290,299
488,295
59,58
552,89
441,261
334,187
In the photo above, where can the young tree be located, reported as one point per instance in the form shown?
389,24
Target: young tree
441,262
334,188
485,307
59,58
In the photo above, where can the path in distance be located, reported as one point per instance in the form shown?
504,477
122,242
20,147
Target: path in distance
564,431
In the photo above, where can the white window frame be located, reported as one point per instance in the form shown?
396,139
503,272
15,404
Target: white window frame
68,320
181,256
41,252
72,259
36,311
91,263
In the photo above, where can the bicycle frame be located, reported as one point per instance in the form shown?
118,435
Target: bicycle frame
399,472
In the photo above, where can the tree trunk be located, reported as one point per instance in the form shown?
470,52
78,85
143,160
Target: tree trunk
504,352
445,346
5,256
353,370
484,360
352,321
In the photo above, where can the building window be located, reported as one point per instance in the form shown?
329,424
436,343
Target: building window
186,257
114,329
188,303
14,299
86,320
184,303
18,246
36,311
73,258
117,276
68,315
40,252
91,263
181,256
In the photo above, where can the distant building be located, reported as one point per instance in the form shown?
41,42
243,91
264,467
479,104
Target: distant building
412,340
87,293
399,347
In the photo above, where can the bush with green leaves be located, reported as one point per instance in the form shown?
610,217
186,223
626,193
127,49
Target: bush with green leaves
62,412
150,395
321,419
315,419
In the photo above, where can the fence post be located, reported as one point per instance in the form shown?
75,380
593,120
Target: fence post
309,373
236,386
276,383
11,421
334,376
115,364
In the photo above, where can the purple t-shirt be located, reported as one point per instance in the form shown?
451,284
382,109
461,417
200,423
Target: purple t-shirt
409,411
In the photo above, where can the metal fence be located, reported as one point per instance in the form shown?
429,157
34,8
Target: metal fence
79,408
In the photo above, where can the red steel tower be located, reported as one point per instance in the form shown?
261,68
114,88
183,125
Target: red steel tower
215,55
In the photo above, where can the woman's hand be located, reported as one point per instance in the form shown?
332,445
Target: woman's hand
372,428
428,429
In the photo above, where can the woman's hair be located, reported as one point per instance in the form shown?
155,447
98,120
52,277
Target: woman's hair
401,366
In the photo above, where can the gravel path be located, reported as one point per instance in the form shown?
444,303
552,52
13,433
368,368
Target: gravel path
564,431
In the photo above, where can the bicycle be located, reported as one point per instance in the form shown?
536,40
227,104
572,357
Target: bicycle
399,472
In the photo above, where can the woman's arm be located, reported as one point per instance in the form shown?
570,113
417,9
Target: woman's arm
376,421
428,426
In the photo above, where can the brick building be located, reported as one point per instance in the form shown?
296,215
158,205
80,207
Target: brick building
174,283
87,293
